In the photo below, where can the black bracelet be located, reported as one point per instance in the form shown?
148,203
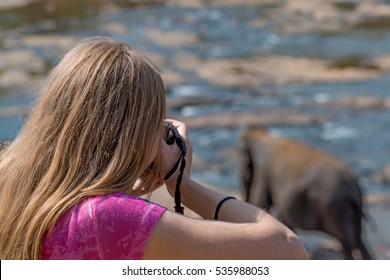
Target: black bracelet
220,204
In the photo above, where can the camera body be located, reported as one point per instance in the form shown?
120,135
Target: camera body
169,136
172,136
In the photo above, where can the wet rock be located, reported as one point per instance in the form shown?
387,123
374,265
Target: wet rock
56,45
378,224
382,249
13,111
382,176
304,16
382,61
378,199
10,4
14,78
361,103
373,15
177,69
25,60
172,39
186,61
237,119
20,69
202,165
172,78
327,251
355,61
262,71
200,3
180,102
115,28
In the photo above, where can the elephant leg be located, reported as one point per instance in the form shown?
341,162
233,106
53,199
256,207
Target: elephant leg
351,234
246,168
347,251
260,194
256,189
344,223
363,250
253,177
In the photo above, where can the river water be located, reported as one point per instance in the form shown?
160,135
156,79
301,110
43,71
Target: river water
186,37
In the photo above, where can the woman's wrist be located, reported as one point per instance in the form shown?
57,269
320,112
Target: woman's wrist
199,198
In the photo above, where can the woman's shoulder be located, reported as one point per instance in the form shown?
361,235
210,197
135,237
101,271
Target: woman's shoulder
121,202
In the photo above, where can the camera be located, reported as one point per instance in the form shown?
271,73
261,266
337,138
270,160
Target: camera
169,134
172,136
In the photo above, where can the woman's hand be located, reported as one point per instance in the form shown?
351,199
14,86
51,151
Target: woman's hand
169,155
148,182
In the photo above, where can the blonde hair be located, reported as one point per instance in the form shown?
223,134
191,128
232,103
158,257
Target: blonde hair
94,130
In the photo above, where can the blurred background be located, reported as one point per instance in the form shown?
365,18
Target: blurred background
313,70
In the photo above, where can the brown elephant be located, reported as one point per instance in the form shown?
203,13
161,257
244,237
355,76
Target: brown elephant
311,189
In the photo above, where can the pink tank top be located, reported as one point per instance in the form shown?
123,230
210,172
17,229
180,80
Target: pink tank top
115,226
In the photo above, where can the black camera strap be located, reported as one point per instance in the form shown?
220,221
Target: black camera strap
182,162
178,207
180,142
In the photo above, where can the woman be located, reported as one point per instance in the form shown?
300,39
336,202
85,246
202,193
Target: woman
92,144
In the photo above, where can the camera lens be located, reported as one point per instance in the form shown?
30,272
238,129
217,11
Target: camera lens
169,136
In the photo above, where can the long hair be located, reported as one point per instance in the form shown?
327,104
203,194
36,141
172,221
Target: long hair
94,129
